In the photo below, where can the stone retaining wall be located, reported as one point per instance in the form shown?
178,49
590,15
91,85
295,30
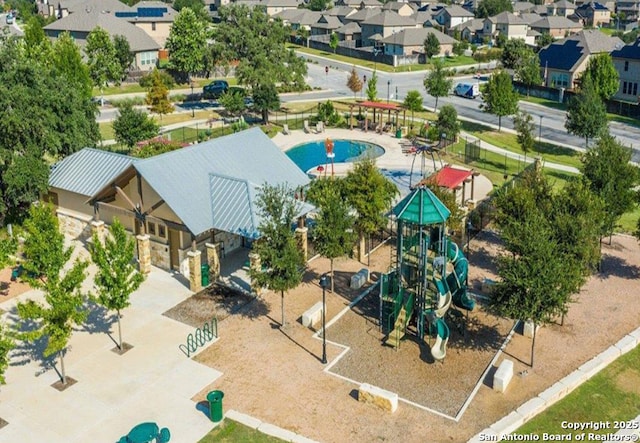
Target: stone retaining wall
74,224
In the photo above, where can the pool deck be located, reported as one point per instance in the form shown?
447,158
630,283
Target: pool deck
394,163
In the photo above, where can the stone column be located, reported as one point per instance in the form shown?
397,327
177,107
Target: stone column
98,228
255,265
213,257
302,237
195,273
144,254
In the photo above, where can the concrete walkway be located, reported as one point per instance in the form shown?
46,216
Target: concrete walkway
154,381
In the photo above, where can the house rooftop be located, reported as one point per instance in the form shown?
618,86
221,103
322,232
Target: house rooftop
556,22
630,51
507,17
416,37
389,18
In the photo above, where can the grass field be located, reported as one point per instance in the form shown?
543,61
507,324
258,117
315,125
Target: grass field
612,395
230,431
127,88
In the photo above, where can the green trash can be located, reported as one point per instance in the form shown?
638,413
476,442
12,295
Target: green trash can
398,133
215,405
204,274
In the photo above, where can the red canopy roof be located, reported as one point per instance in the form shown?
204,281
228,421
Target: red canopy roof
380,105
450,177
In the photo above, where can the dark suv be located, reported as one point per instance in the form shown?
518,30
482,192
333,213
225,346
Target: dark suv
215,89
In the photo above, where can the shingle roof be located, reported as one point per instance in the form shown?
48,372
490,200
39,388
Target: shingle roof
340,11
416,37
630,51
349,28
530,17
389,18
299,16
565,54
555,22
147,11
456,11
592,5
88,171
83,21
563,4
507,17
396,6
328,22
363,14
183,178
94,5
523,6
475,24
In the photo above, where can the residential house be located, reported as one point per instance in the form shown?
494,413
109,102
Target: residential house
509,25
627,63
630,8
452,16
65,7
153,17
299,18
563,8
401,8
411,41
557,26
530,17
350,32
272,7
359,4
424,19
342,12
383,25
470,31
80,24
593,14
362,15
326,25
520,7
563,61
179,204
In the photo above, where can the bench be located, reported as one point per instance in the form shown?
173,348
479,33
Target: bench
503,376
312,315
383,399
359,278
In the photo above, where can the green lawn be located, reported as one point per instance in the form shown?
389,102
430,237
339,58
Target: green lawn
127,88
629,221
230,431
612,395
450,61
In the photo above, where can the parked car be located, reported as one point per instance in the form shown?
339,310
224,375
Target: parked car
215,89
10,18
467,90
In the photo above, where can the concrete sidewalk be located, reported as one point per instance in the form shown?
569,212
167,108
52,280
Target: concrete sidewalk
154,381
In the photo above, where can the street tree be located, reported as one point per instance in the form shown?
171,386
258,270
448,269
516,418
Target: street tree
372,87
334,41
102,58
431,46
514,52
233,102
37,45
448,122
489,8
197,6
543,40
500,98
280,257
158,95
7,343
63,309
370,194
525,129
450,200
333,234
528,71
67,59
354,83
8,247
603,74
124,55
438,81
586,115
413,103
610,175
117,277
265,99
186,43
133,125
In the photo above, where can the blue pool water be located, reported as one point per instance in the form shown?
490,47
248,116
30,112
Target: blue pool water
310,155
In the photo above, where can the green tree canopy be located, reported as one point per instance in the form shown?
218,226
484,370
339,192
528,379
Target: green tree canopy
133,125
514,52
186,44
603,74
280,257
543,40
448,122
265,99
500,98
6,345
431,46
525,129
586,115
37,45
117,277
334,40
489,8
124,55
413,103
67,59
158,95
528,71
438,81
102,58
372,87
233,101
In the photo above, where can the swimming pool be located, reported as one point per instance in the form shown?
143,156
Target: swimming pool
309,155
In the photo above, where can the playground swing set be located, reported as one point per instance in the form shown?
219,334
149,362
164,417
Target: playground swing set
429,277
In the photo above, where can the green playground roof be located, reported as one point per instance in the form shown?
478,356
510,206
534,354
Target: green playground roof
421,207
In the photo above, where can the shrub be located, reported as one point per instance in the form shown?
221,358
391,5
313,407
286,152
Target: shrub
146,80
156,146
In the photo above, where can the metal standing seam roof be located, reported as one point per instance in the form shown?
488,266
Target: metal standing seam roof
182,178
88,171
421,207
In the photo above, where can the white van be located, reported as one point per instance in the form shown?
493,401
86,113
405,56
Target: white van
467,90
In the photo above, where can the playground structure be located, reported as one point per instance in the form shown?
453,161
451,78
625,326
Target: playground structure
429,279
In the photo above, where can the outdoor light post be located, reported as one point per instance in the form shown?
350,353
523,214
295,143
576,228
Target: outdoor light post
469,227
388,89
397,98
192,109
323,285
540,129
